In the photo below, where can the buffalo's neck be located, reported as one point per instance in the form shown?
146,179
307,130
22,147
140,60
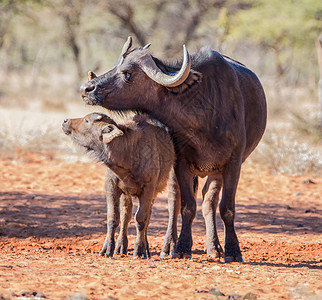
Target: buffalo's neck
193,129
173,114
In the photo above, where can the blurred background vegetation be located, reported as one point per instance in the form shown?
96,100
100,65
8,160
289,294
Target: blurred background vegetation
47,47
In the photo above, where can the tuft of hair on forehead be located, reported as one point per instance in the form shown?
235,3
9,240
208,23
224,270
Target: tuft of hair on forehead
96,116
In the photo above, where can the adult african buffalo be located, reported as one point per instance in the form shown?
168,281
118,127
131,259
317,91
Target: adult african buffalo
215,109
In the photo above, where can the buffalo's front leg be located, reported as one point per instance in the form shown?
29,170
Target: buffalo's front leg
126,206
113,215
142,218
210,193
227,210
174,200
188,210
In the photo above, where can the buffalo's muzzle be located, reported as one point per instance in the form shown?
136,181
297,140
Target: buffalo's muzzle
86,88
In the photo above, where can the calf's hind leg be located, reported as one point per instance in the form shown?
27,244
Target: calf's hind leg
142,218
126,206
210,195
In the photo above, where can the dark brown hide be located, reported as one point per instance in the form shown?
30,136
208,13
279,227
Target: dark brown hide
139,157
216,118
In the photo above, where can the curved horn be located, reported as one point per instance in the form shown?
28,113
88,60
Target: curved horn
126,48
127,45
158,76
147,46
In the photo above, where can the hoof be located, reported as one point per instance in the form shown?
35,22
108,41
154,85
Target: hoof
120,251
163,254
181,255
186,256
176,255
141,253
215,254
105,254
139,257
121,245
229,259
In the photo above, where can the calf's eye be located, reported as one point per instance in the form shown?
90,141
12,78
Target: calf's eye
86,121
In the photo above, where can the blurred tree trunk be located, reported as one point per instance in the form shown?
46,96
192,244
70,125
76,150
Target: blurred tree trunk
6,12
71,37
125,13
70,13
319,51
280,70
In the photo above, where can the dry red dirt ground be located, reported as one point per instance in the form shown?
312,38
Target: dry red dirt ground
52,226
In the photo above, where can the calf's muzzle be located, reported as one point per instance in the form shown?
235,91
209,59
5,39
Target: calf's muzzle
66,126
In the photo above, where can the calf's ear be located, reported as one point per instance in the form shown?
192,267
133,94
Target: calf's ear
110,132
96,117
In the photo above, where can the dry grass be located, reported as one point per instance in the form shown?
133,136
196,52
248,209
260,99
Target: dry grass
292,142
284,153
34,130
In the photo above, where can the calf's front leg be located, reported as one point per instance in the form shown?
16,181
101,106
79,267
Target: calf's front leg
113,214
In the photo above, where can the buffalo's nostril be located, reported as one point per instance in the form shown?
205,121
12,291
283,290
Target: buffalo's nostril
66,120
86,88
89,88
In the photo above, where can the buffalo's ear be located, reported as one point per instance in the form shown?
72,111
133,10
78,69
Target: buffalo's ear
193,79
91,75
110,132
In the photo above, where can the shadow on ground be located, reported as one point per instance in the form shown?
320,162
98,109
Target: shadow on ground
43,215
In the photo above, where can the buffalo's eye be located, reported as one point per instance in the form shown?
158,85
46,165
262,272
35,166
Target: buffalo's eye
86,121
127,76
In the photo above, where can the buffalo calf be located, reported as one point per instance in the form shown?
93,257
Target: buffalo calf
140,159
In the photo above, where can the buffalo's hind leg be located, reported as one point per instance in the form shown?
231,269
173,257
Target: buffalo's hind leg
227,210
188,209
210,195
171,236
113,214
126,206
